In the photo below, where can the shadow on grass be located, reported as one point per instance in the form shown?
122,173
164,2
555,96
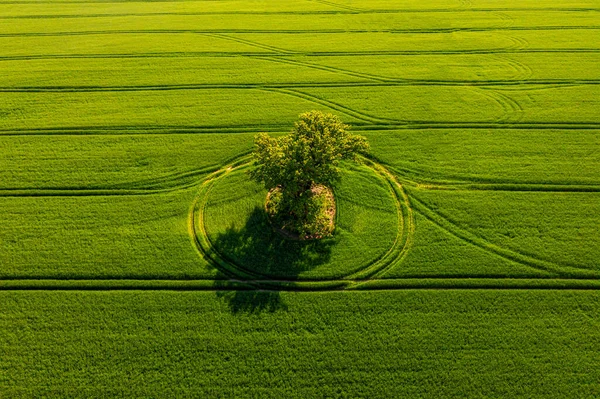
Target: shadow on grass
252,302
258,249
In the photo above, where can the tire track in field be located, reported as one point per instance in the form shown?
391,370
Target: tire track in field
250,43
321,67
350,10
407,225
199,235
377,267
517,42
340,6
159,185
559,270
513,187
87,192
213,54
333,105
497,11
522,71
507,20
513,111
484,87
76,192
232,284
141,130
281,128
419,179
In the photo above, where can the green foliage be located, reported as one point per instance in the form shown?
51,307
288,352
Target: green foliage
308,157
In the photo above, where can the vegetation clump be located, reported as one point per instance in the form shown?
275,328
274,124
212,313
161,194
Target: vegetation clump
300,169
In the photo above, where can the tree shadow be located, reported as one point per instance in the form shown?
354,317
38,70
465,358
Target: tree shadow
252,301
258,249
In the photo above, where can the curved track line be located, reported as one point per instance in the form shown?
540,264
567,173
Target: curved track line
406,225
419,179
507,20
474,239
398,250
518,43
169,183
513,111
340,6
339,71
522,71
338,107
199,235
250,43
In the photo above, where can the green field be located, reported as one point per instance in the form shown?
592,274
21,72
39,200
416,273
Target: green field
135,256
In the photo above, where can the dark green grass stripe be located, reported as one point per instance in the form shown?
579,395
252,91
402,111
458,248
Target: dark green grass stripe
297,12
145,130
274,285
217,32
521,187
275,128
541,83
347,10
82,192
480,284
214,54
593,125
162,184
422,180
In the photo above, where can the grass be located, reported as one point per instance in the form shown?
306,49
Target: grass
114,161
238,344
492,155
465,257
564,232
97,236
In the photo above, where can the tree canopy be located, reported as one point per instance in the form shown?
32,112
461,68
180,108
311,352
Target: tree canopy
307,157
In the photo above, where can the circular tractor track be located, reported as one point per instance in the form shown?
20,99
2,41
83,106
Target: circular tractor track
236,271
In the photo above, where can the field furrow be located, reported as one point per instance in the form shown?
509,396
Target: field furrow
137,258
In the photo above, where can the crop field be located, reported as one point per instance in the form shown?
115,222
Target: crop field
136,259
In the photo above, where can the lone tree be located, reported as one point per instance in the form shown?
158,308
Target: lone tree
299,170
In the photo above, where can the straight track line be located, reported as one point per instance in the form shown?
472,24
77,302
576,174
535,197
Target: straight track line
219,32
217,54
186,130
476,283
489,84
